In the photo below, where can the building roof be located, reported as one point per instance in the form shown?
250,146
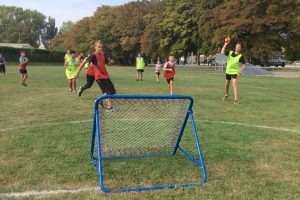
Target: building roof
16,45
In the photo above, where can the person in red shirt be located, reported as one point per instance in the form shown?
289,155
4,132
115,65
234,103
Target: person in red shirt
169,74
97,61
23,60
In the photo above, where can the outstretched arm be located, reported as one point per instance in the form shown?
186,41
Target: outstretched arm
224,48
81,65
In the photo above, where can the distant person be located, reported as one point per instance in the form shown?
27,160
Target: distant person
157,70
140,67
2,65
98,60
71,65
67,55
169,74
234,58
23,61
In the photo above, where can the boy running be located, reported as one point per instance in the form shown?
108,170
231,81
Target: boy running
157,70
23,60
234,58
70,65
169,74
2,65
140,67
98,60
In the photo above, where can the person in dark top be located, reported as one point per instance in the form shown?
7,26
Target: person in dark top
2,65
234,58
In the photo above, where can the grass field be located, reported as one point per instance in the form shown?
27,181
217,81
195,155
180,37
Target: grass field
251,150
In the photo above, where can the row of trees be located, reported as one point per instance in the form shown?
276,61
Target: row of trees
162,27
25,26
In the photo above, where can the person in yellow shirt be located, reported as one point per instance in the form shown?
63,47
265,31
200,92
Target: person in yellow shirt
71,65
234,58
140,66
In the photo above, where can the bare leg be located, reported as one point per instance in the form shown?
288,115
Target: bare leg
141,76
25,78
171,87
74,85
22,79
137,76
227,82
235,88
70,85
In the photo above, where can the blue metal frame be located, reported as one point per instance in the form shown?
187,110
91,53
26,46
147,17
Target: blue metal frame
96,134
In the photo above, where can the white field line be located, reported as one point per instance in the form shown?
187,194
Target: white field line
90,189
205,121
44,193
252,125
46,124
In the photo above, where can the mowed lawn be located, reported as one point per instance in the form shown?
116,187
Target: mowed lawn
251,150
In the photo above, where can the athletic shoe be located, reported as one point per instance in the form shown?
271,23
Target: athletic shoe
137,79
71,90
25,84
80,91
236,101
111,109
225,97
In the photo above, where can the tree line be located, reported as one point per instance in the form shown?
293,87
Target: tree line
161,27
25,26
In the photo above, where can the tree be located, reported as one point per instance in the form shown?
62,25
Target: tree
49,32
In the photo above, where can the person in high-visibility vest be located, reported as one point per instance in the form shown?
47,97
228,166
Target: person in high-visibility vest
140,67
71,64
234,58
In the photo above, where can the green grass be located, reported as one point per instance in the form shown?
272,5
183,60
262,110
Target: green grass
242,162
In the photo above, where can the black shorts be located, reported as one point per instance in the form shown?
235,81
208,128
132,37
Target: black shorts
23,71
2,69
158,73
169,80
106,86
229,76
140,70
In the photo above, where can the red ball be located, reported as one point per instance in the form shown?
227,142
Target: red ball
227,39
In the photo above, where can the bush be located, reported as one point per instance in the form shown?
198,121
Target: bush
34,55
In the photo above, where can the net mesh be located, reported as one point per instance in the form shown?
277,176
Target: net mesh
141,127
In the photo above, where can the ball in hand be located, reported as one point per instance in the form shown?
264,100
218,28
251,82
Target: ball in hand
227,39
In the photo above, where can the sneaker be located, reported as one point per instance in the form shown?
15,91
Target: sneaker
225,97
71,90
25,84
80,91
111,109
137,79
236,101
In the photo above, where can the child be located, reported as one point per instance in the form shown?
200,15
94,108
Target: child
234,58
140,66
70,65
23,60
169,74
157,70
98,60
90,78
2,65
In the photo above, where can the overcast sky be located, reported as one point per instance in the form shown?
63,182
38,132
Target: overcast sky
63,10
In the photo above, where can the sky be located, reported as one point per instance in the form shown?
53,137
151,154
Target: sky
63,10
